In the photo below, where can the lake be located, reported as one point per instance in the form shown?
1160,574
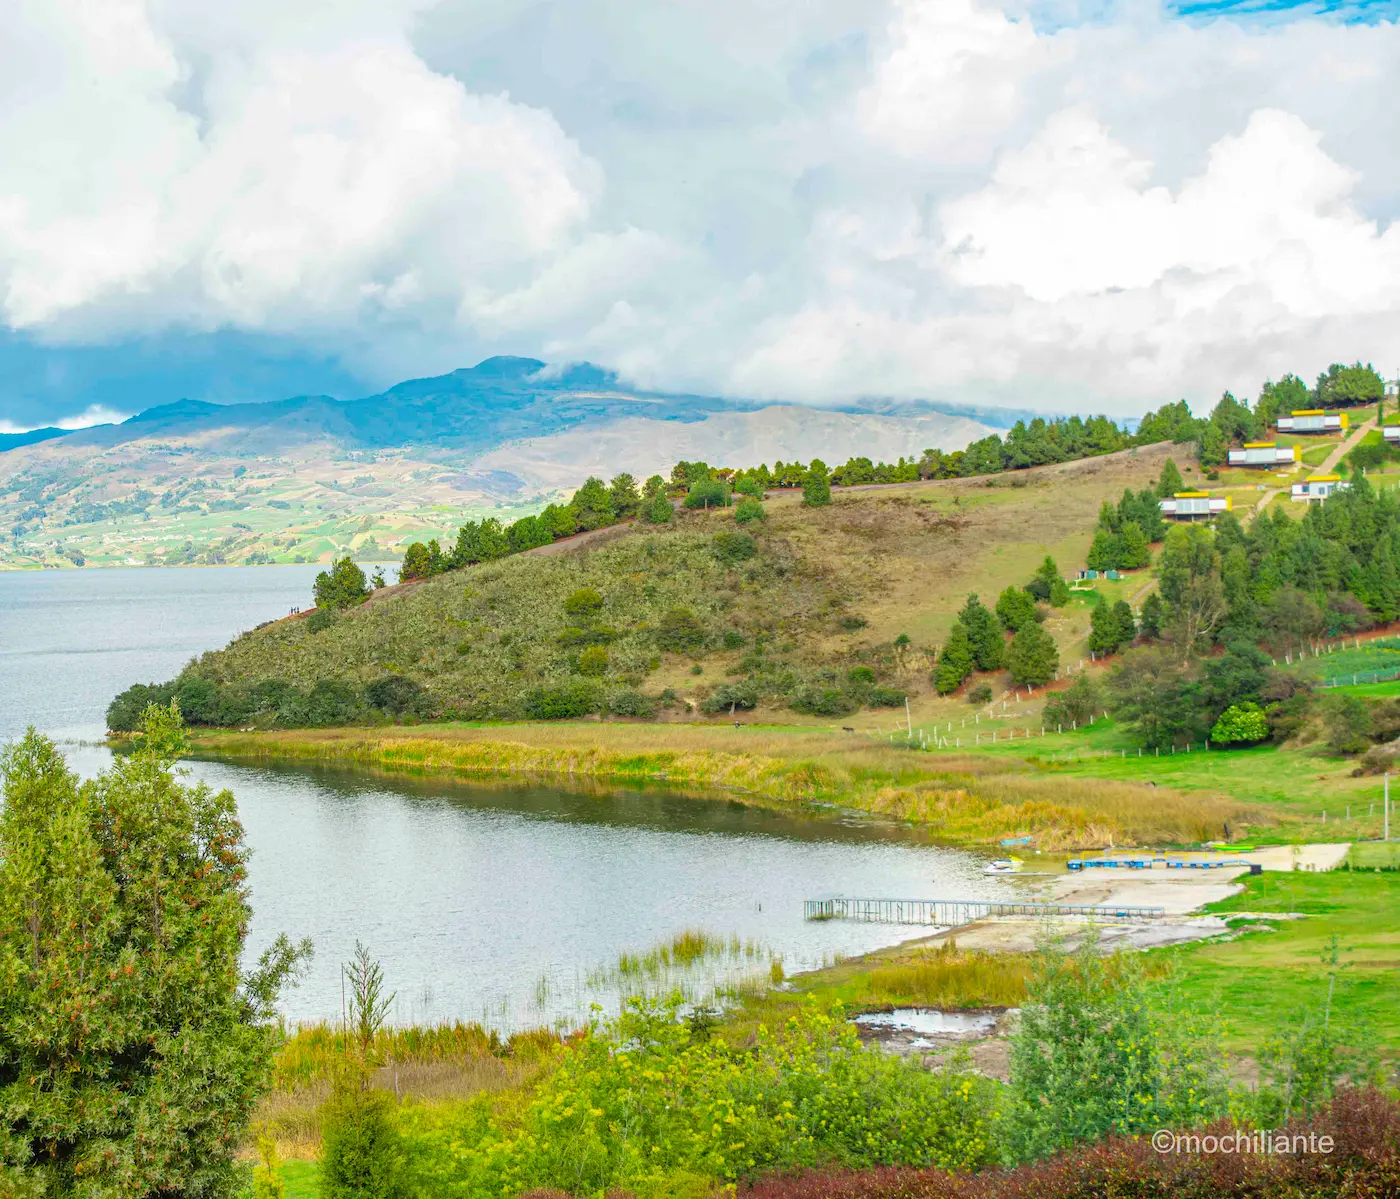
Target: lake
505,904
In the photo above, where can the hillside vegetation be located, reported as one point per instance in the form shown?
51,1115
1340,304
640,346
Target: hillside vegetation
811,611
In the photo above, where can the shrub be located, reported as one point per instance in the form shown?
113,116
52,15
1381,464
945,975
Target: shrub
852,623
750,509
583,604
680,632
593,662
707,493
731,696
888,697
1074,705
362,1153
566,702
816,485
732,547
125,711
396,695
860,676
733,639
822,701
630,702
320,619
1240,724
980,694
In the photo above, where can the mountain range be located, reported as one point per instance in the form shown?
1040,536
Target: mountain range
308,477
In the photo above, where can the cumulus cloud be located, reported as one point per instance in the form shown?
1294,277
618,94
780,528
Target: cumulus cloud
1051,204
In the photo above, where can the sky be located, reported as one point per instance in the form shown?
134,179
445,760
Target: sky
1067,205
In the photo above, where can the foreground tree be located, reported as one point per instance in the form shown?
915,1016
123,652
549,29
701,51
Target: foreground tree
816,485
1033,657
132,1048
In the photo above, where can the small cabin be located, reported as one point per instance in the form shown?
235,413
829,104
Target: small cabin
1318,487
1265,453
1391,433
1195,505
1313,420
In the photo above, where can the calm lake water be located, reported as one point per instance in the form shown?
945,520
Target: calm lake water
502,904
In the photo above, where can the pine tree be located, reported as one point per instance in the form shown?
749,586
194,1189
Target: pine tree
1103,629
1015,606
1033,657
1169,482
984,633
816,485
658,509
956,661
1103,554
1125,628
1151,626
1133,550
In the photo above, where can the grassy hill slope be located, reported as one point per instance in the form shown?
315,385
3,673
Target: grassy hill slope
693,616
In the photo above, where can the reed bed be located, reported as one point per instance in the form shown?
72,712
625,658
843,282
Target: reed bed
965,799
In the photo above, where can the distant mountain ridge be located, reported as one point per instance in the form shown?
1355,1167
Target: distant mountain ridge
311,477
476,408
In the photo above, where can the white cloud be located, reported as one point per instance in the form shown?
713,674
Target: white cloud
94,414
807,199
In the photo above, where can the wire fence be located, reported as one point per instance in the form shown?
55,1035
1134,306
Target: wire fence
1356,678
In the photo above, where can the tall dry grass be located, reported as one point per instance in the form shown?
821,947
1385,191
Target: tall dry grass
967,799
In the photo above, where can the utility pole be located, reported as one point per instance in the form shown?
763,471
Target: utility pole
1386,808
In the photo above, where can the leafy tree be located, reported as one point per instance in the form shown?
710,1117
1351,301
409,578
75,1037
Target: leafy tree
708,493
749,509
816,485
567,701
1133,549
1047,586
592,505
1346,720
1236,676
1169,482
1188,574
1213,448
654,486
1293,618
1289,394
984,633
134,1047
415,564
340,587
1033,657
1015,606
527,533
396,695
1075,704
1241,723
626,502
1156,696
955,662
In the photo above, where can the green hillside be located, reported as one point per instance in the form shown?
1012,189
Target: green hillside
813,612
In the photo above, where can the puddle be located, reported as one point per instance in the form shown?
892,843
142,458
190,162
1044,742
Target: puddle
928,1022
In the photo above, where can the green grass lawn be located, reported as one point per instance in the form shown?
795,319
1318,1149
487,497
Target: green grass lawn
302,1179
1257,982
1297,785
1370,854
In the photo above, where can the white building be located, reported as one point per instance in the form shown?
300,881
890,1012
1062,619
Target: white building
1319,487
1313,420
1265,453
1391,432
1195,505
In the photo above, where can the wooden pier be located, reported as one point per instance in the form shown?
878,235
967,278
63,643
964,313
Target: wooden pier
954,912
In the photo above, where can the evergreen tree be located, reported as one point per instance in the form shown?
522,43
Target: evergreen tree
816,485
491,540
134,1047
1169,482
1133,550
623,496
1149,515
1212,448
341,587
658,509
1125,627
559,520
592,505
416,563
984,633
1151,626
1033,657
1105,551
1103,628
955,662
1015,606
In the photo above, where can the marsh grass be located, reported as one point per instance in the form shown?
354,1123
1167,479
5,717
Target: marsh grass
974,798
